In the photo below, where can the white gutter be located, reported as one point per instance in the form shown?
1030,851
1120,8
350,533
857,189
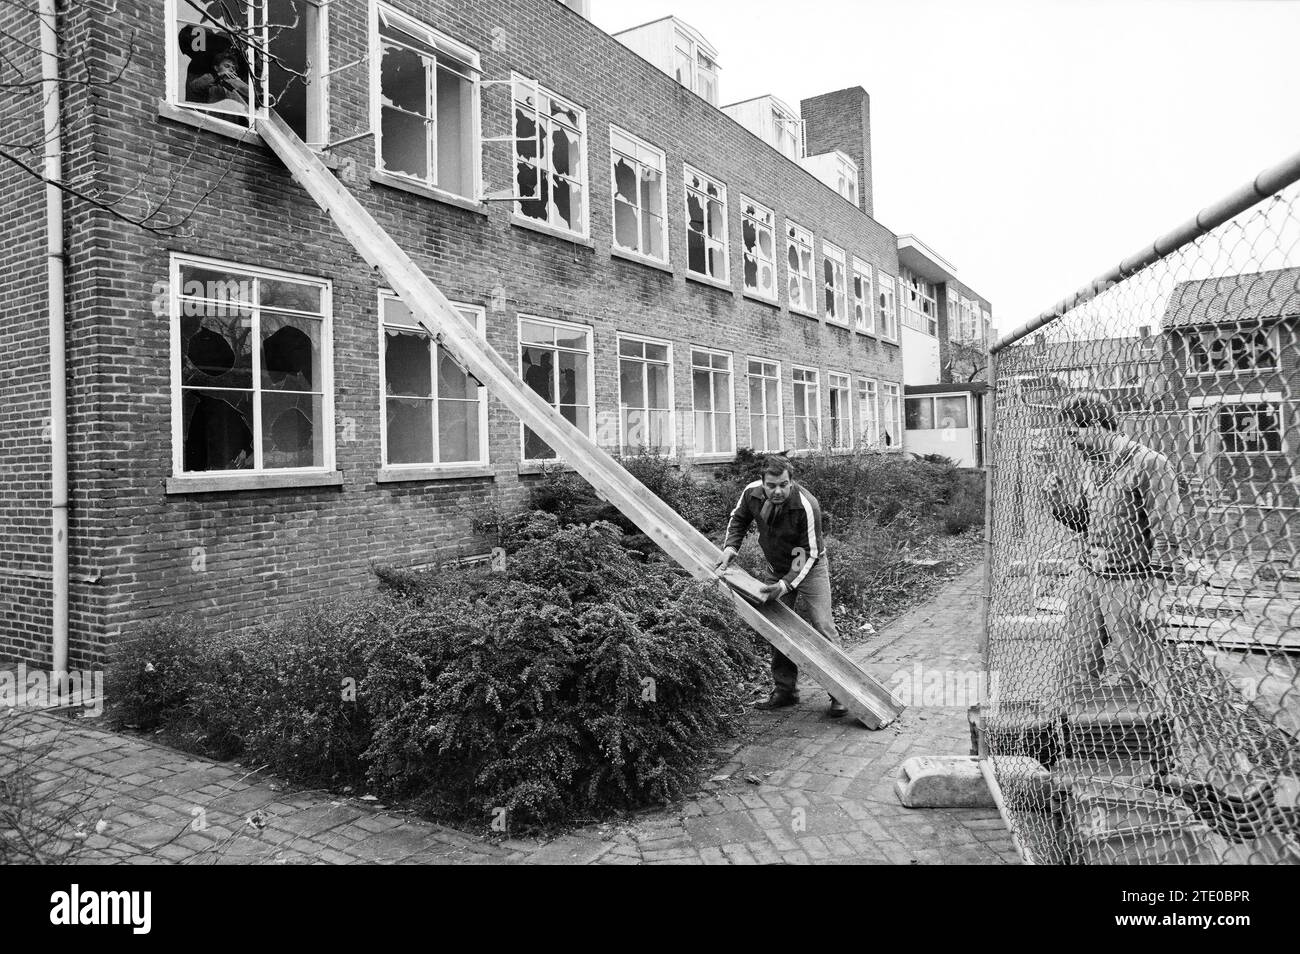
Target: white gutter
47,13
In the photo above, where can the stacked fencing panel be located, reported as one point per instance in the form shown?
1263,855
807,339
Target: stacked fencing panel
1144,573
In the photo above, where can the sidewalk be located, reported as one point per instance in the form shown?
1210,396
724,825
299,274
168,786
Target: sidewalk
801,788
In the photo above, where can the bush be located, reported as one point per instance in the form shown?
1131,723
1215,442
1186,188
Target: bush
964,509
151,670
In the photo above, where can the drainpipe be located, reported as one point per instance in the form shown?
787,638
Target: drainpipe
47,13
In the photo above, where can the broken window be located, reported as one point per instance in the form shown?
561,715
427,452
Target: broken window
864,312
886,313
550,158
555,361
840,392
252,359
758,235
891,430
765,406
835,284
868,414
1235,425
920,311
694,66
645,395
706,225
427,85
799,268
640,208
434,412
807,409
712,403
1228,350
232,56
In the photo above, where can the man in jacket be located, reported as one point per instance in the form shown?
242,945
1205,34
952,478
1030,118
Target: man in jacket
1126,512
790,535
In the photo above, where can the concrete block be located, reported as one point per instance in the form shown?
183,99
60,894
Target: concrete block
951,781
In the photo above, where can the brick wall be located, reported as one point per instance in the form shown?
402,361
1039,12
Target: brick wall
235,557
842,120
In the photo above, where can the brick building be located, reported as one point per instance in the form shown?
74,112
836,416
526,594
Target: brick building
254,423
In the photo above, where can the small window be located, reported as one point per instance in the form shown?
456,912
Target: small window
799,268
840,390
937,413
1240,427
555,361
550,158
868,414
891,430
864,312
433,412
229,59
426,87
758,233
787,133
645,395
835,285
886,313
637,181
920,310
712,402
765,432
706,225
1230,350
252,359
807,409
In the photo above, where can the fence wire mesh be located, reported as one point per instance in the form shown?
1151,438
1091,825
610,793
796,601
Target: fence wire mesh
1143,633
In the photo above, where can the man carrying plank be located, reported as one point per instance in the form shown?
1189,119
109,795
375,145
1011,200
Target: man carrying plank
790,534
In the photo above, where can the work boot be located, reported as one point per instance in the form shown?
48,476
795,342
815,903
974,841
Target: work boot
837,709
779,699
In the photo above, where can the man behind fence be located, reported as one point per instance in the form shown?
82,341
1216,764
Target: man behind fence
790,533
1126,512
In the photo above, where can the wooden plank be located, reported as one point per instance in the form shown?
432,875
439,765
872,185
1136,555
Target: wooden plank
865,698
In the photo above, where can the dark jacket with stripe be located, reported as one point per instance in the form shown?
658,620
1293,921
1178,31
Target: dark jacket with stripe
791,539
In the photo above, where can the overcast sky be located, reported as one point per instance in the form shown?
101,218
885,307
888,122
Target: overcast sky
1032,144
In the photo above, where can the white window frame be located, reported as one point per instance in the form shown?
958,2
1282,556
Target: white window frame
864,306
757,218
468,57
933,400
1274,341
477,315
913,286
731,383
318,110
638,165
767,412
517,80
327,435
591,376
811,387
887,316
799,238
848,172
840,381
688,173
684,41
1210,406
868,391
838,290
623,445
891,392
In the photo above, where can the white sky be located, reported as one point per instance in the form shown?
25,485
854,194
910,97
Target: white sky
1032,144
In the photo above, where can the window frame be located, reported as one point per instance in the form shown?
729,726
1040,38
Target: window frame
480,322
1211,406
623,446
780,405
662,212
516,215
1271,332
731,378
846,386
863,271
869,387
455,49
747,203
835,255
813,387
327,432
887,283
911,285
688,171
559,323
793,239
896,395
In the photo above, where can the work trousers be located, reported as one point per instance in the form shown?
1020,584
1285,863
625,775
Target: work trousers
1113,625
812,601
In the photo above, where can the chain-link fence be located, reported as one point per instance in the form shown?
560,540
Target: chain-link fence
1144,572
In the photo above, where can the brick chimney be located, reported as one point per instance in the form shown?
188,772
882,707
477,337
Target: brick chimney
842,120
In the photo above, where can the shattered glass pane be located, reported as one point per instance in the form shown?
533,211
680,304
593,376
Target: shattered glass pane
567,204
526,182
407,368
625,225
573,378
292,422
717,262
571,338
404,80
217,430
539,372
566,153
750,269
404,143
525,135
766,279
410,431
288,27
292,296
717,220
578,416
216,349
625,177
215,285
695,260
452,381
290,352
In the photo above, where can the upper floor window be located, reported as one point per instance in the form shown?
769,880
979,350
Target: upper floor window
1238,424
886,312
836,285
232,57
706,225
715,423
807,409
694,67
920,312
637,180
1230,350
846,178
433,412
787,133
645,395
425,88
840,391
864,311
550,158
251,364
765,405
799,267
758,233
555,361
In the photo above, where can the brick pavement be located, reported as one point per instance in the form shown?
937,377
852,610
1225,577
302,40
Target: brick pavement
798,788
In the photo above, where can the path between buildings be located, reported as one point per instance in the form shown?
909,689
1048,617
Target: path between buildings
824,792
